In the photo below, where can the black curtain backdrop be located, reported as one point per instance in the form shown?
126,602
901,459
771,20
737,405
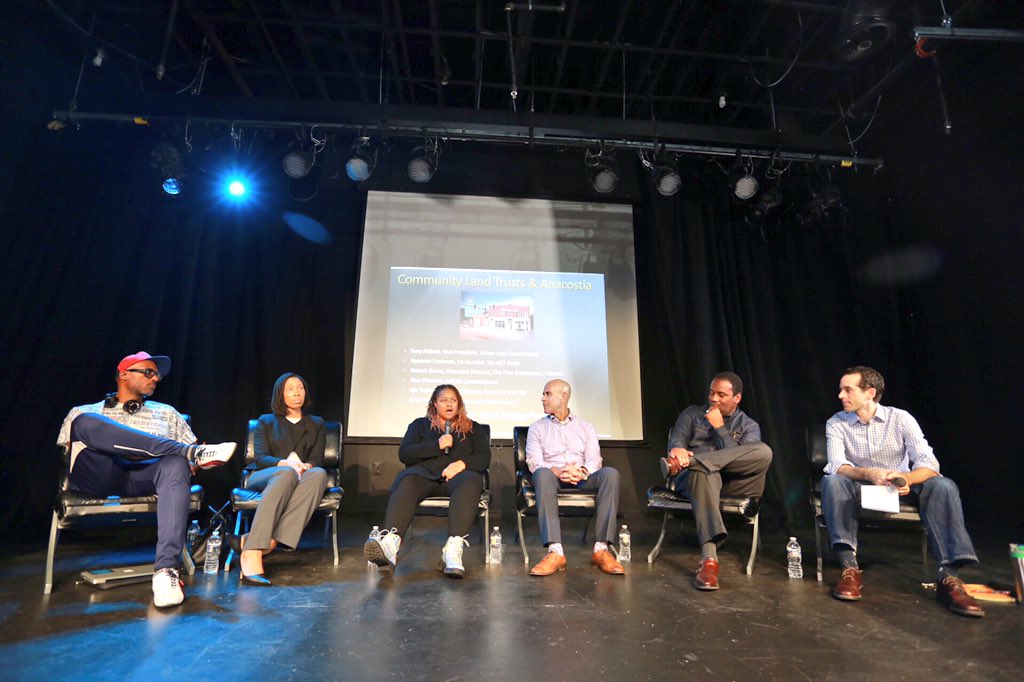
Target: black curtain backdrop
100,263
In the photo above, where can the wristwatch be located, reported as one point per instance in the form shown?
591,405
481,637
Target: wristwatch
586,474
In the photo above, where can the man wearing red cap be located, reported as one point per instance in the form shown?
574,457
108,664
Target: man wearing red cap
131,446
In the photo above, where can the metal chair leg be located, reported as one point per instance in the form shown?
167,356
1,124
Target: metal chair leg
186,560
924,554
661,538
231,552
754,543
522,537
50,552
817,547
334,534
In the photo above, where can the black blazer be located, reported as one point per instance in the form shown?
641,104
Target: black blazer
421,456
275,442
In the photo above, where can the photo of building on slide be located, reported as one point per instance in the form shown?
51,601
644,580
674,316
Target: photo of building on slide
495,316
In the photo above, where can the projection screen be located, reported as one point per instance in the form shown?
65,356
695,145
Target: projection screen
495,296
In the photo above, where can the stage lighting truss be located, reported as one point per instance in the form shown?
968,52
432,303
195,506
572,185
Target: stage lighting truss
601,170
424,162
662,169
363,161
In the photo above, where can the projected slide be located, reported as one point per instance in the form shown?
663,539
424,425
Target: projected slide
498,336
496,296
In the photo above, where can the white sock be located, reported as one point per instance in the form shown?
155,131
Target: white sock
600,547
556,547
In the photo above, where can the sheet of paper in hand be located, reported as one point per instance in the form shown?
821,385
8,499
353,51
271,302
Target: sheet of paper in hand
883,498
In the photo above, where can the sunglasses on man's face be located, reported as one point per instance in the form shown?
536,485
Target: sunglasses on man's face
149,372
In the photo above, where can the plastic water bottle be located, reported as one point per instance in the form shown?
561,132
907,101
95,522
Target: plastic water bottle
494,553
624,544
374,535
212,564
794,560
192,535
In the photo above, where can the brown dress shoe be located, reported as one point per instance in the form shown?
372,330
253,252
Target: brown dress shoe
607,563
670,467
954,597
707,575
551,563
848,587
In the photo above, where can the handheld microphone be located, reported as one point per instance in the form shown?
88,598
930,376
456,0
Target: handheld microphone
447,431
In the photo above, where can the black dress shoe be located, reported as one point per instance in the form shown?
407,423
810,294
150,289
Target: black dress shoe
234,542
259,580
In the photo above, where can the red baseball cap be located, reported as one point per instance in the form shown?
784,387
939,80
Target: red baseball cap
163,363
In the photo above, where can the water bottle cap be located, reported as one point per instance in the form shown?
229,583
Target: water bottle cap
623,525
792,538
495,528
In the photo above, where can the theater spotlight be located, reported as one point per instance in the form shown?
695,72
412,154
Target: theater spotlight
865,29
741,179
818,206
424,161
666,178
364,160
765,206
167,159
663,174
601,170
297,163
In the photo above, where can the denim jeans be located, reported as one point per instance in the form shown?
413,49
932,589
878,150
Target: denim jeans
938,501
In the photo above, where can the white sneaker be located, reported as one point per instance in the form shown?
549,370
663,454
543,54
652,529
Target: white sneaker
209,456
383,551
167,588
451,557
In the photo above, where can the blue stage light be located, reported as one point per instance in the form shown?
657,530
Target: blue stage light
172,186
236,188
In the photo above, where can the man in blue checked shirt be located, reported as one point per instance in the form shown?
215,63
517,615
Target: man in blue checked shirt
870,443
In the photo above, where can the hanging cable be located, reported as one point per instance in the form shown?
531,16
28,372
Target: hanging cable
511,54
853,140
623,84
799,49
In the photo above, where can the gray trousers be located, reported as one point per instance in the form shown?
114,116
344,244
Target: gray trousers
286,505
605,481
733,472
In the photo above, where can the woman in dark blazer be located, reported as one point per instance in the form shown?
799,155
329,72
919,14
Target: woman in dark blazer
445,453
289,454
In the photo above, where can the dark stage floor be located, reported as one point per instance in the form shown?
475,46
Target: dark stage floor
344,622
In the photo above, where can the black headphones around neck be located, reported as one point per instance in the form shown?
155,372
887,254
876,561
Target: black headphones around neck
131,406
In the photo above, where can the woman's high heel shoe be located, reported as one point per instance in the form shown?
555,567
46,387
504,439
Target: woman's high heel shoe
234,542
